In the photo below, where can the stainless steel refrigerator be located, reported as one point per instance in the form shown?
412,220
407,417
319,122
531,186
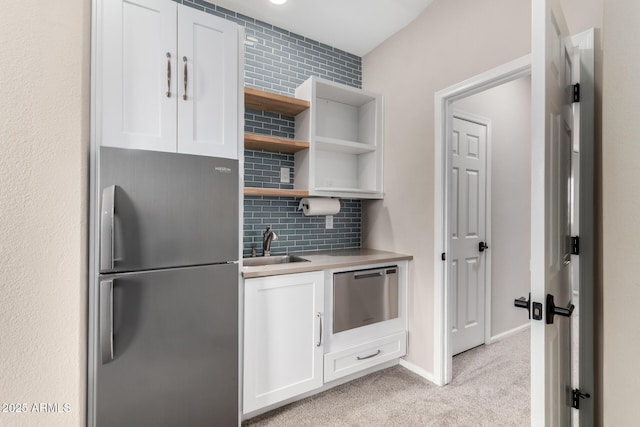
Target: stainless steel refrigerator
164,335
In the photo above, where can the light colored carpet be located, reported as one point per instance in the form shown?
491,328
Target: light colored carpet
490,387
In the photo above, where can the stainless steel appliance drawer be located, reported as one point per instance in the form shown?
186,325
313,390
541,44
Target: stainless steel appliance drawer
364,297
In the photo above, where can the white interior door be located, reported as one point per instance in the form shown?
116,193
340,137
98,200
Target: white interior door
468,231
208,84
550,215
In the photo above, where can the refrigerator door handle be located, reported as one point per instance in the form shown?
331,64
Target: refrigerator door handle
107,234
106,320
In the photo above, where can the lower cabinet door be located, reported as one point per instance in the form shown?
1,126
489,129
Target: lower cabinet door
353,359
283,349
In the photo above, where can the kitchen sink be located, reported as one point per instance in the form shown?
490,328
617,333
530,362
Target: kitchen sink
271,260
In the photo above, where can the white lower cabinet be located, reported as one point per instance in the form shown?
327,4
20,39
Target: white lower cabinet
283,348
351,360
289,346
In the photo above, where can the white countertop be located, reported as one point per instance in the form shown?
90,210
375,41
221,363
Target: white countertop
324,260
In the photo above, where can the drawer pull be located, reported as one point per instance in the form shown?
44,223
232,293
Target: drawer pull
370,356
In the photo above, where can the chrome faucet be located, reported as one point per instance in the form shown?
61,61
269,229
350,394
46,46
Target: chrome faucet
267,237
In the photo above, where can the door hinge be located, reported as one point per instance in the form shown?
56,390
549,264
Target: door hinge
576,395
576,92
575,245
444,256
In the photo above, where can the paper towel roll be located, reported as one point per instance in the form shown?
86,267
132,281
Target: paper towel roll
319,206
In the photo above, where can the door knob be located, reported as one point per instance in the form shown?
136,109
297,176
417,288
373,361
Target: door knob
482,246
552,310
522,302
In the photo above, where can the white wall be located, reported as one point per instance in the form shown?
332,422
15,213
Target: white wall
582,14
509,108
621,204
44,128
450,41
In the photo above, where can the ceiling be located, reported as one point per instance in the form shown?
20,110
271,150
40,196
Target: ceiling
355,26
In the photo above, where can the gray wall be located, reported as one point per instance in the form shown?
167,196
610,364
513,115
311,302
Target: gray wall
509,108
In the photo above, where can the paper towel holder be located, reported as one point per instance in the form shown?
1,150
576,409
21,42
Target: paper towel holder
319,206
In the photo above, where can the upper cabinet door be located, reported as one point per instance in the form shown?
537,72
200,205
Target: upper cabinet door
136,74
207,84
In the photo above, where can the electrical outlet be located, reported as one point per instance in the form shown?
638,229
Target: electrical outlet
328,222
284,175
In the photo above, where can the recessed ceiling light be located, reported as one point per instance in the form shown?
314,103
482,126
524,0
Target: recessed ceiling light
278,1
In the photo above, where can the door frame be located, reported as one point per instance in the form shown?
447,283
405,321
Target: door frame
486,122
585,43
521,67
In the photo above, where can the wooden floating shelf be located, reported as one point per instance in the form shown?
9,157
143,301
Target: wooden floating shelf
260,100
271,143
276,192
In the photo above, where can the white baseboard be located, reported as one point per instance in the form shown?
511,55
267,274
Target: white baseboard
418,371
509,333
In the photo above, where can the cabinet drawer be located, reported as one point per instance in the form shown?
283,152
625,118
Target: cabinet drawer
354,359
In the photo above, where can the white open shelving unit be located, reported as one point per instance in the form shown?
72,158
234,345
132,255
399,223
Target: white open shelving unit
344,129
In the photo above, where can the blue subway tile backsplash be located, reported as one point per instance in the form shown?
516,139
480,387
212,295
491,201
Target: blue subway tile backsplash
279,62
262,169
267,123
295,231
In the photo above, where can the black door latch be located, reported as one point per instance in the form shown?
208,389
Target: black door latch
523,303
482,246
534,308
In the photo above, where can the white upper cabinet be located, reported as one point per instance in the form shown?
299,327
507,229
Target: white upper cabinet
345,134
137,78
167,78
208,75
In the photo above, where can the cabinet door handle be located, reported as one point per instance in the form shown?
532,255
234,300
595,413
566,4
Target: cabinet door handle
184,58
319,316
369,356
168,75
